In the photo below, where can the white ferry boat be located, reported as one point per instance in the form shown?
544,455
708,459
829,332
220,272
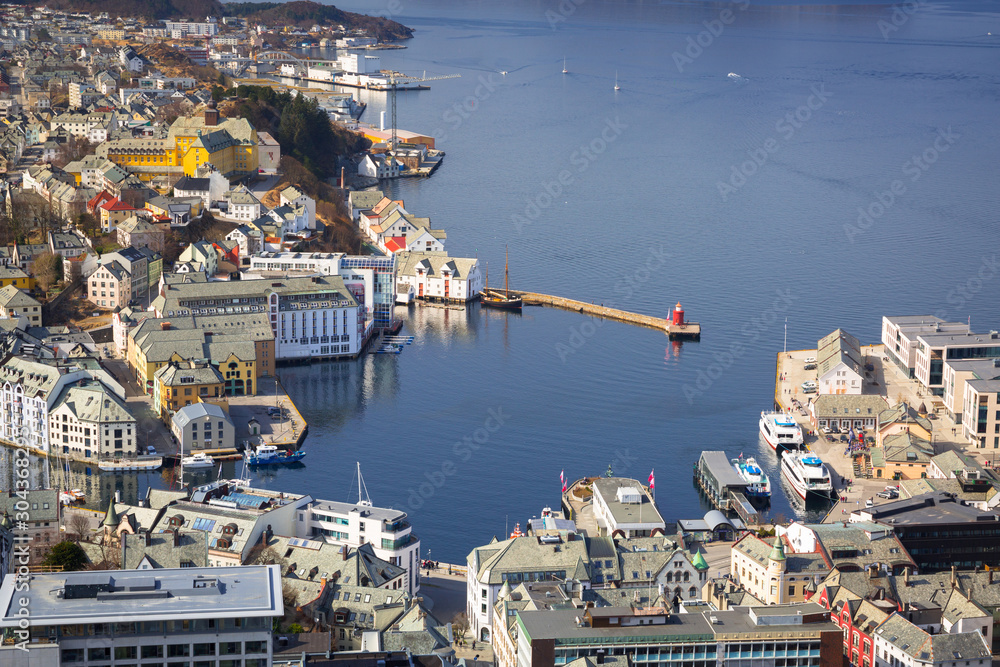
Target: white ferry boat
807,474
751,472
127,465
780,431
196,461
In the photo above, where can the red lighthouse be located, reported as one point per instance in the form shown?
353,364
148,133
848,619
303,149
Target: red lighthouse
678,315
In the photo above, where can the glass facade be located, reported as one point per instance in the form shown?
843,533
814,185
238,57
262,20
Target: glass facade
384,298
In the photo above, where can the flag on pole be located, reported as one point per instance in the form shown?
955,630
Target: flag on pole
651,480
562,478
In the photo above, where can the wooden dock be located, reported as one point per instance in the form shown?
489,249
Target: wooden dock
690,330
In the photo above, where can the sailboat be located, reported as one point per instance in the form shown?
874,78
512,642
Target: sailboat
495,298
565,71
617,87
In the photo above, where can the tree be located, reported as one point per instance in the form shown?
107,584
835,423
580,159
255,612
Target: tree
460,626
69,555
74,149
42,35
79,526
48,270
296,629
88,224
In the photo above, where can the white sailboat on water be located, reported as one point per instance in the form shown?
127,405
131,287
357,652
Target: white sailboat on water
565,71
617,87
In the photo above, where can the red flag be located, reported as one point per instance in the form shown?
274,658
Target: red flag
564,487
651,480
562,476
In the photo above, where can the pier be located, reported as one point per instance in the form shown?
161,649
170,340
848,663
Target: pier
720,482
675,328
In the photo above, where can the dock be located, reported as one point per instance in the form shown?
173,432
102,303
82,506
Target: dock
720,482
674,329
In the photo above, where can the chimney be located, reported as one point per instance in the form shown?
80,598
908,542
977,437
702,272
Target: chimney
990,575
177,537
211,117
147,537
344,551
164,326
954,576
906,575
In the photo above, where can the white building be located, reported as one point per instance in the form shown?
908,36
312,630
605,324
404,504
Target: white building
839,364
203,426
899,335
900,643
624,508
155,614
378,166
311,317
30,390
293,197
435,276
180,29
935,350
242,205
353,524
90,421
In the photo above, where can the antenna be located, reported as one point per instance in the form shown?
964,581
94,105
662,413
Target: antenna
363,498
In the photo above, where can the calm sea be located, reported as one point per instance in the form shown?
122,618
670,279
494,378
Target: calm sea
730,173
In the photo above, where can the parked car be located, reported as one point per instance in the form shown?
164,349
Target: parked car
810,367
151,450
809,360
888,494
809,387
869,503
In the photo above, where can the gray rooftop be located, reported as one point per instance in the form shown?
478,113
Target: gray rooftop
644,511
930,508
122,596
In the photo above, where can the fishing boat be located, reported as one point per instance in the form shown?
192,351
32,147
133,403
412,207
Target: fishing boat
807,474
780,431
198,461
267,455
495,298
752,473
565,71
617,87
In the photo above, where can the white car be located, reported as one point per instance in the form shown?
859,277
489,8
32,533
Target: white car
809,360
809,386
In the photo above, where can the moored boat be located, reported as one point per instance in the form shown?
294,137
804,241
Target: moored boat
501,298
780,431
197,461
128,465
807,474
265,455
752,473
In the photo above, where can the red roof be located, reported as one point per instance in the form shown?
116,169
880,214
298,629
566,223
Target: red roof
99,199
395,243
116,205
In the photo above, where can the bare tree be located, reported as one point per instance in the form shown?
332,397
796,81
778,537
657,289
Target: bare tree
460,627
79,526
48,270
74,149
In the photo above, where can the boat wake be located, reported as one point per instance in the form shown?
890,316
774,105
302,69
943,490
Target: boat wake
733,76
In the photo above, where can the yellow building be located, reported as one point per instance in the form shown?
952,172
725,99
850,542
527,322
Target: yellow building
11,275
179,384
229,144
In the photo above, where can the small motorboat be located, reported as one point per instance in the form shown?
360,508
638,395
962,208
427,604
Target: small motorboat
266,455
197,461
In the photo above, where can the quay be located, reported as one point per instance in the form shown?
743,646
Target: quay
716,476
676,327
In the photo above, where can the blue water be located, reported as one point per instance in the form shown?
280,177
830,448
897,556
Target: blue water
470,427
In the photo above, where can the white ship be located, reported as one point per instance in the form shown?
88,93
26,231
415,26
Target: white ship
807,474
780,431
199,460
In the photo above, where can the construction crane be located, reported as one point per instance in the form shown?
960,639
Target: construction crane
396,78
